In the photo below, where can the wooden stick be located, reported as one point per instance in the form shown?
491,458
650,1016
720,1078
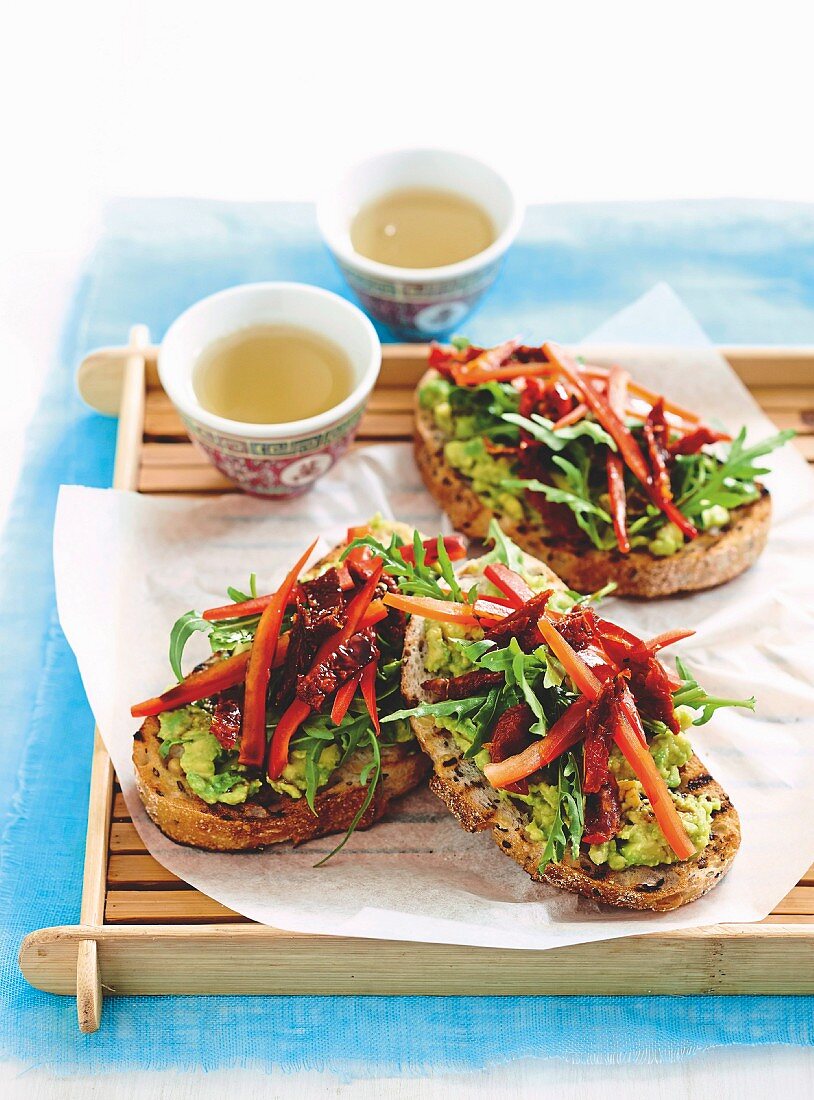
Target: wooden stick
94,885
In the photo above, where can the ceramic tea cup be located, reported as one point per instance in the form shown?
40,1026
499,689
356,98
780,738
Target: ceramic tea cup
274,459
419,303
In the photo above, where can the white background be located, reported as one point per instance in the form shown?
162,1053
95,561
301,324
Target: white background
581,101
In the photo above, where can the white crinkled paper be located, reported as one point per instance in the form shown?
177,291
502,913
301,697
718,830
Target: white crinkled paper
128,565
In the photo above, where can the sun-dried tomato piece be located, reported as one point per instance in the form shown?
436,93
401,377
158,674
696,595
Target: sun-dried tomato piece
521,624
225,725
579,627
345,661
650,687
509,737
603,814
692,443
477,682
320,603
511,733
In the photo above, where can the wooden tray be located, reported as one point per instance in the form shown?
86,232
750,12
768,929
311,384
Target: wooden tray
143,931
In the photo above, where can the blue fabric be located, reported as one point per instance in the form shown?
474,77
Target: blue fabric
746,269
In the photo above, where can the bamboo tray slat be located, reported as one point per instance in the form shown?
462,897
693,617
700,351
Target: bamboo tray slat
144,931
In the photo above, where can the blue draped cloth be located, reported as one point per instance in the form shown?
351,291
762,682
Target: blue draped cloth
745,269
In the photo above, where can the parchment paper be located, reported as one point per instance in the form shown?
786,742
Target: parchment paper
128,565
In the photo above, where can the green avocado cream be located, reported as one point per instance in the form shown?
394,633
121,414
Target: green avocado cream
486,472
211,771
466,451
443,658
292,781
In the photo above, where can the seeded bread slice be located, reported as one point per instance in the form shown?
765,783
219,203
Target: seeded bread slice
184,817
478,807
707,561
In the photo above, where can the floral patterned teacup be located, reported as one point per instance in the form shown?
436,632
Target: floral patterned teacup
271,460
419,303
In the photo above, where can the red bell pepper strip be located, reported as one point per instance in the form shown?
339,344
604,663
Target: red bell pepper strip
618,500
258,671
565,733
291,720
255,606
344,697
198,685
453,544
628,735
628,447
574,416
511,584
360,556
617,388
298,711
369,694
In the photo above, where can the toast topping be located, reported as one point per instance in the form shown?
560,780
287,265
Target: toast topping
583,452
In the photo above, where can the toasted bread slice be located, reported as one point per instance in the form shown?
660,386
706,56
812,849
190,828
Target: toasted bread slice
461,785
707,561
182,816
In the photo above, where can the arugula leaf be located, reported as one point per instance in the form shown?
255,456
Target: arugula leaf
478,411
449,708
577,499
569,817
728,481
228,634
182,631
691,694
472,651
594,597
483,721
447,572
525,669
540,428
414,579
503,549
374,769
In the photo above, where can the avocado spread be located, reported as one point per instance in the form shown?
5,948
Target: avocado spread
292,781
466,451
487,474
211,771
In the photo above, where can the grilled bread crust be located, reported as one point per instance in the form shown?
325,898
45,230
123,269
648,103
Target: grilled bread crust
185,818
707,561
478,807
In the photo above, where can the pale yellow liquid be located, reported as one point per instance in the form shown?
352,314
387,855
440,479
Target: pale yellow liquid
421,227
272,374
